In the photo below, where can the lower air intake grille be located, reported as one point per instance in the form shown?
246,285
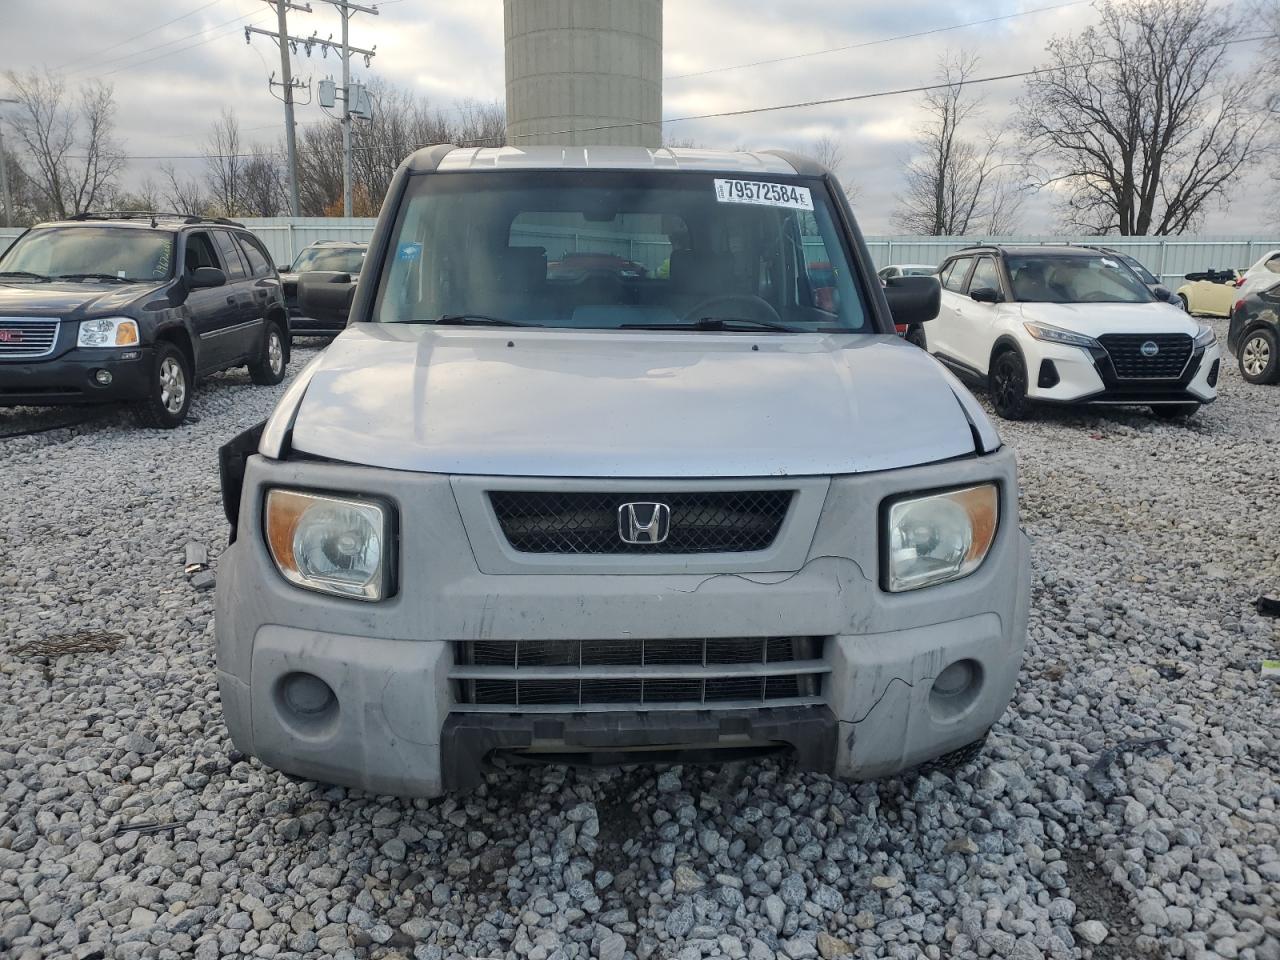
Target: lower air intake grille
638,673
1140,356
588,523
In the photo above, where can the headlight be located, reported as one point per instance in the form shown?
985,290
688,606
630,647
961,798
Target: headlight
1052,334
1205,336
330,544
107,332
939,537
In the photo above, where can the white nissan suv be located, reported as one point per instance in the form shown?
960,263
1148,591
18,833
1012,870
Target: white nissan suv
1043,324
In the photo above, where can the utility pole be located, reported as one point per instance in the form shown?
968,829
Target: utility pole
5,193
348,9
286,42
344,49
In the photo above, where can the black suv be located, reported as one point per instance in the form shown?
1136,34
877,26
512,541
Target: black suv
111,307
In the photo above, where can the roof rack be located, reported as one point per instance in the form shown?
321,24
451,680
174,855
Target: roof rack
154,216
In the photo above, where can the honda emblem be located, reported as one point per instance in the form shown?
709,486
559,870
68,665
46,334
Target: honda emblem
644,523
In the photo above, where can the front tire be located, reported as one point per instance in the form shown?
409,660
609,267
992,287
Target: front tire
1007,384
1175,411
268,369
169,393
1186,306
1259,356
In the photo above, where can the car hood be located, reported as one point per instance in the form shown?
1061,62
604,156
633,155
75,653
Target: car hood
569,403
69,299
1095,319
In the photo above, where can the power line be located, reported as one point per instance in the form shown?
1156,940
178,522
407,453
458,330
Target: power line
161,46
872,43
139,36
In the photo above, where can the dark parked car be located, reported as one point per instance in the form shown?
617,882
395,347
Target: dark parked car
340,258
134,307
1254,335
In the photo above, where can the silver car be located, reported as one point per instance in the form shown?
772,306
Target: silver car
702,510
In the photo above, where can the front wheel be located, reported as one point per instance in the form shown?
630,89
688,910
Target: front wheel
1259,357
268,369
1008,385
1186,306
169,393
1175,411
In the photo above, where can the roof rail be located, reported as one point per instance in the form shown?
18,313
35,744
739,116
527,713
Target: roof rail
153,216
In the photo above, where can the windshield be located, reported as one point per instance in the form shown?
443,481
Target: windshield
919,271
1074,279
613,249
127,253
337,260
1145,275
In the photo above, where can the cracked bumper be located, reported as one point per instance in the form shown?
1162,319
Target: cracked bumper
398,727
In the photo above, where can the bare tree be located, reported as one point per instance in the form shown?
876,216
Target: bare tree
829,152
183,195
955,184
225,164
69,140
1137,121
143,196
263,194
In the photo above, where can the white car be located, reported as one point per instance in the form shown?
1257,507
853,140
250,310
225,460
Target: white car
1261,276
1068,325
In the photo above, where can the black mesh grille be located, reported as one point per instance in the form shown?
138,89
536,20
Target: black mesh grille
1125,349
575,658
587,523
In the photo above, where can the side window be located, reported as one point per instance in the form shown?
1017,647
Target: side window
985,274
259,265
199,253
953,276
1274,264
235,267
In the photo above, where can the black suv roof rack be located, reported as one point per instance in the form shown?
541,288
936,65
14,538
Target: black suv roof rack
154,216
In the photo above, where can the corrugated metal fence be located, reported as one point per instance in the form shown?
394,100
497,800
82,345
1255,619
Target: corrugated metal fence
1167,257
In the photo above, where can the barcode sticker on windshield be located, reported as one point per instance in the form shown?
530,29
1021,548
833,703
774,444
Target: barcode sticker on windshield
765,194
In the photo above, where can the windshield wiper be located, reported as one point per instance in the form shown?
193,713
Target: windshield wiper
476,320
92,276
23,273
715,323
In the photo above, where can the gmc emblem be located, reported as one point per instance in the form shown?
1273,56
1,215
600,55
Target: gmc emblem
10,336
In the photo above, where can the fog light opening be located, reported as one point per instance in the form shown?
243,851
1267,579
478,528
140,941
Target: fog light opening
1048,375
1213,374
955,689
306,702
102,377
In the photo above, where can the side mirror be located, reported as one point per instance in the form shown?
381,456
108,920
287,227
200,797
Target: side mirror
207,277
986,295
325,296
1162,292
284,269
913,299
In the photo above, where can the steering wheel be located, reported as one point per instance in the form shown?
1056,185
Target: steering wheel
734,305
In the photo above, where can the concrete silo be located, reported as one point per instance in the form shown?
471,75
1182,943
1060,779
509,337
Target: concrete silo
575,65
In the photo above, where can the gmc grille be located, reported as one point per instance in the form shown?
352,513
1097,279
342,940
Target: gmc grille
587,523
27,339
638,673
1125,350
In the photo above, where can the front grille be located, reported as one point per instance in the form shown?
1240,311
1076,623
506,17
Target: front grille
638,673
1125,350
27,338
587,523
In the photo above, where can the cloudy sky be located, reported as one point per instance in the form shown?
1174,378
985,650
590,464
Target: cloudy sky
171,76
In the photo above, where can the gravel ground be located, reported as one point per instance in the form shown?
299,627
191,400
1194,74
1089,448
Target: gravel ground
1126,805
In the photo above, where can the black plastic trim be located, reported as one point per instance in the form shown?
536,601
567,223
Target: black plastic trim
469,739
232,458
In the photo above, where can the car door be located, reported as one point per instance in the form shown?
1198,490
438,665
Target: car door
213,310
981,320
945,333
264,285
242,339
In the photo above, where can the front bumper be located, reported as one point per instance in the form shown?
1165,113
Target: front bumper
398,724
1086,376
69,378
